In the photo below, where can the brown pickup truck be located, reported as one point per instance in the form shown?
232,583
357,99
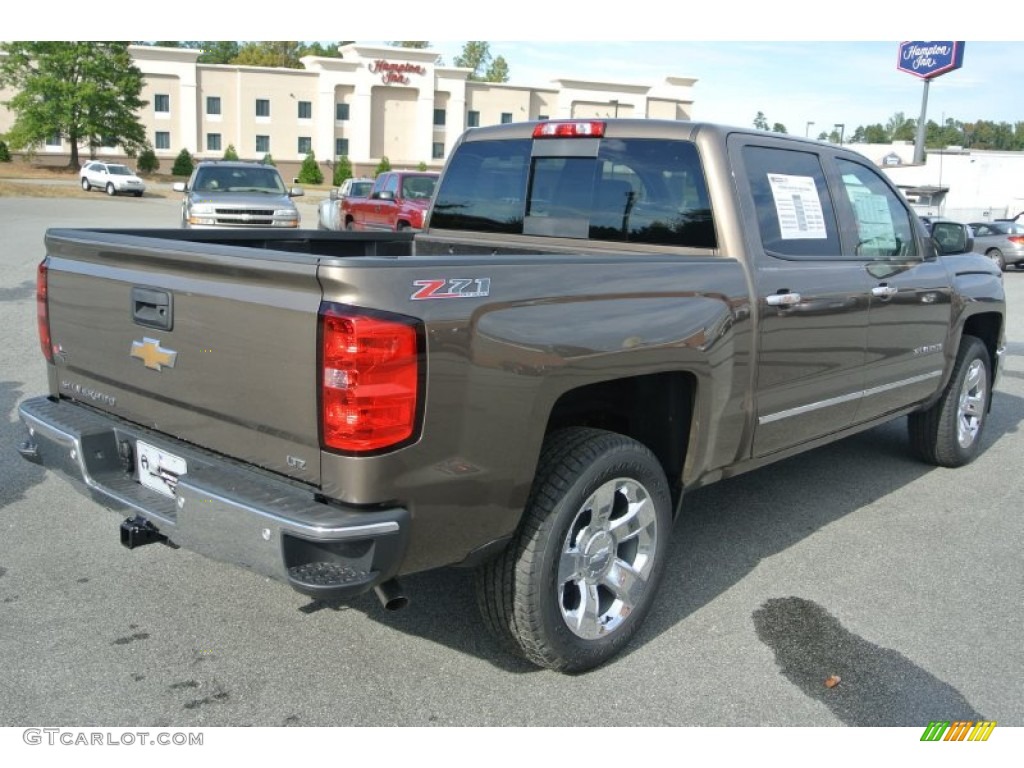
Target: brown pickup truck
597,317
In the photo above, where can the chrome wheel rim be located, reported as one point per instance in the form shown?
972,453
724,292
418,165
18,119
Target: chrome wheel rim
607,558
973,396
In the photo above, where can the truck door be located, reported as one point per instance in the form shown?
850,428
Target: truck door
381,213
910,295
812,299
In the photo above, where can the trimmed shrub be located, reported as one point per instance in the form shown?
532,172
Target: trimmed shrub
148,161
183,164
342,170
230,153
310,172
5,154
384,165
268,160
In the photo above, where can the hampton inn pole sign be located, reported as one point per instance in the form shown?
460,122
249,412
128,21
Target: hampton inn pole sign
928,59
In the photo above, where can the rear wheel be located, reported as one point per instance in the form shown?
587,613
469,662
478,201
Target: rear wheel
86,185
110,189
579,577
949,433
997,257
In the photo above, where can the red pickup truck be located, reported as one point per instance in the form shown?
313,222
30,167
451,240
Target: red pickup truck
398,200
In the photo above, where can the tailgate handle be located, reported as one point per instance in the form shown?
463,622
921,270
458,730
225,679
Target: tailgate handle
152,308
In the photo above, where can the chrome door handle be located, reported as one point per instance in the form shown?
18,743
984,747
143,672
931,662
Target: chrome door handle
884,291
782,299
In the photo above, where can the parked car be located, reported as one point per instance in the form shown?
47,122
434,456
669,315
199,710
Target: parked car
112,178
399,200
237,194
1001,241
328,212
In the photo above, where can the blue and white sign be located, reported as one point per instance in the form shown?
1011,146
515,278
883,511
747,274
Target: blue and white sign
930,58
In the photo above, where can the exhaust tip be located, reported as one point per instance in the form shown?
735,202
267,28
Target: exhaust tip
391,595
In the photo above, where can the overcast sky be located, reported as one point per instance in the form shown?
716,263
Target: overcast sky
774,61
791,82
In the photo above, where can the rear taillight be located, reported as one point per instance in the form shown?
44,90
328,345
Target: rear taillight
1016,239
370,367
43,312
592,129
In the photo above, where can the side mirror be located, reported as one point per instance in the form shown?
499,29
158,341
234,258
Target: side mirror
334,193
296,192
383,195
178,186
951,237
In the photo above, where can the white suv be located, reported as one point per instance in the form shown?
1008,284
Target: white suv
111,177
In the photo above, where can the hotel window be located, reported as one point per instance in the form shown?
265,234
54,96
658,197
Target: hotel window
213,105
163,140
473,118
341,111
439,117
162,103
53,140
506,117
543,117
305,110
213,142
438,150
262,143
305,145
341,147
262,107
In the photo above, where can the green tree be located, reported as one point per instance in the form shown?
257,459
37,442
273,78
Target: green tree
282,53
5,154
383,166
497,72
183,164
823,136
230,153
420,44
761,122
779,128
899,128
216,51
342,170
310,172
268,160
86,92
476,55
148,161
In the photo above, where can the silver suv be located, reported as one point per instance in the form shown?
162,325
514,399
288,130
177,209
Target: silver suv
237,194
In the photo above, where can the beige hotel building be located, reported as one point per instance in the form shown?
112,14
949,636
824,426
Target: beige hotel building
375,101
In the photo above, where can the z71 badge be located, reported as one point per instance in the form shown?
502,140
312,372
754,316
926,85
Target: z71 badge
452,288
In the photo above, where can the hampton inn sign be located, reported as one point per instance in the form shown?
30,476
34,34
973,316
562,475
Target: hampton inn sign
392,72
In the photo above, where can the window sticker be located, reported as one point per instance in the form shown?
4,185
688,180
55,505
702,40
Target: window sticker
798,207
874,221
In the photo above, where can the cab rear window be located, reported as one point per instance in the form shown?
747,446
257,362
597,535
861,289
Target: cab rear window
649,191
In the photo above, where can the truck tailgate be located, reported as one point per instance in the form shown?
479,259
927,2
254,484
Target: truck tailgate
217,349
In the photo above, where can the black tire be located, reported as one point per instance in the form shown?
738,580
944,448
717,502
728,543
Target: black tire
997,258
948,434
566,557
350,226
86,186
110,189
137,194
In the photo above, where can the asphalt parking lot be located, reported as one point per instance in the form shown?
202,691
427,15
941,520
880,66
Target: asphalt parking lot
853,560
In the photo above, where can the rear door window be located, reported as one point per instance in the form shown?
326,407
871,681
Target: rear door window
794,209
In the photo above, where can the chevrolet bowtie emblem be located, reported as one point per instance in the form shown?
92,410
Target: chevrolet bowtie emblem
152,354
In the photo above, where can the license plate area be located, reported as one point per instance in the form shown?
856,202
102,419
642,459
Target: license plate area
158,470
